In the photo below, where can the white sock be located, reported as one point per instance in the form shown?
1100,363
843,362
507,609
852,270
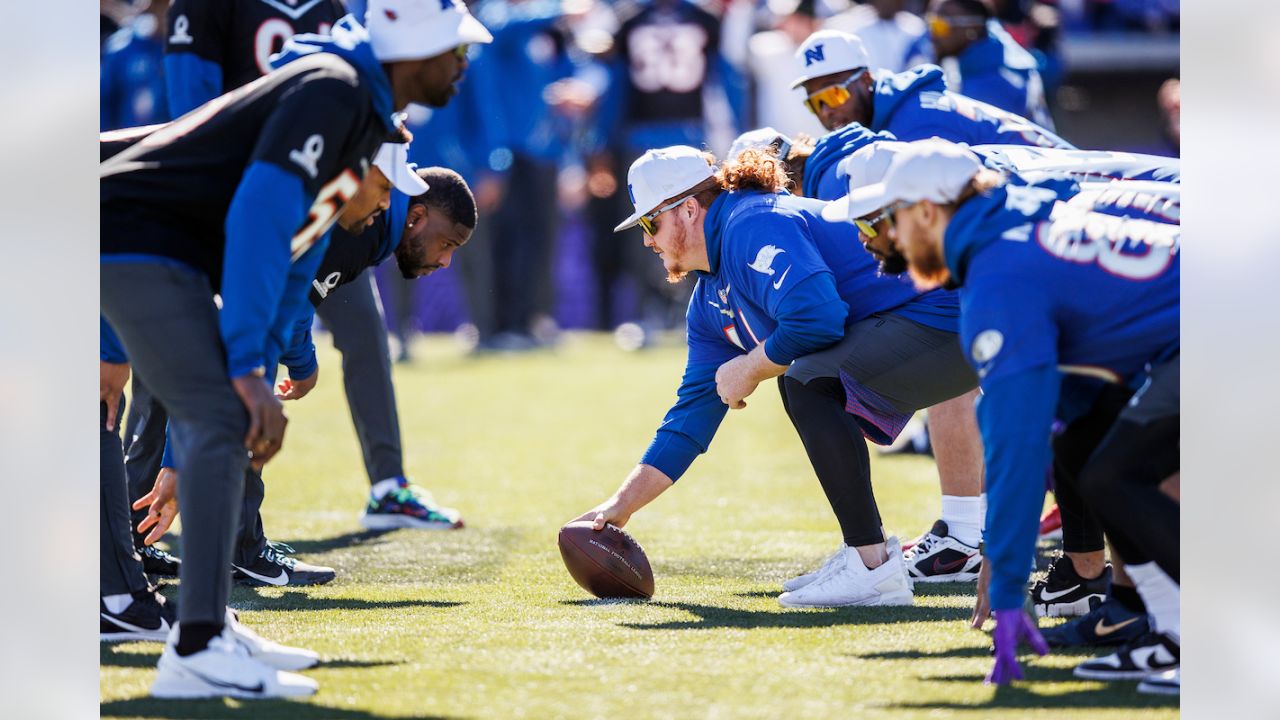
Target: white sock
384,486
116,604
1161,595
963,516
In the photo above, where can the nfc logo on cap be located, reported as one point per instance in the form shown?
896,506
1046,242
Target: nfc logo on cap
813,55
631,193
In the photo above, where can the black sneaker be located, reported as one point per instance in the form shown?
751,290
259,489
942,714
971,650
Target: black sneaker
273,567
1063,593
937,557
149,617
1151,654
158,562
1107,624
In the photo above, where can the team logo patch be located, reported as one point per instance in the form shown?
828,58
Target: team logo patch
764,259
330,283
813,55
309,155
181,32
986,346
631,193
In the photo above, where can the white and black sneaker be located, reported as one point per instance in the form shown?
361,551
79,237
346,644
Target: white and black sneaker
224,669
274,567
280,657
1150,654
937,557
800,581
849,582
1063,593
1166,683
149,616
158,562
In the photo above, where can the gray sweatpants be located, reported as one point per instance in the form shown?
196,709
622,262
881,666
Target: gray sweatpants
120,568
168,323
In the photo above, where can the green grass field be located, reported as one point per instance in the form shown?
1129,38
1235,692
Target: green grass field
485,622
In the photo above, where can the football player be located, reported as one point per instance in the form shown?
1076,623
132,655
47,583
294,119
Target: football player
236,198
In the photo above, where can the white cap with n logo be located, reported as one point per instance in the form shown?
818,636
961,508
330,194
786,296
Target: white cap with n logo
663,174
827,52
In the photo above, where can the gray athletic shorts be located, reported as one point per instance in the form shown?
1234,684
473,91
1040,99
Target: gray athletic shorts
1158,398
890,367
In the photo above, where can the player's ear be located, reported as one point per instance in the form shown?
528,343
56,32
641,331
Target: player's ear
417,214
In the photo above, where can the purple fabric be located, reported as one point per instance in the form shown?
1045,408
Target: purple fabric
1013,626
880,421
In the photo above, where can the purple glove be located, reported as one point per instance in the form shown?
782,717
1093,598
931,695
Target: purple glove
1013,626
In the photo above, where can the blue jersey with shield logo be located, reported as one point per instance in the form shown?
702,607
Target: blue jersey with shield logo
1046,290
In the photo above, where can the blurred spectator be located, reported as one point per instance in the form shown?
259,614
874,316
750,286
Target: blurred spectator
132,89
983,62
895,39
525,125
1036,26
1169,98
665,62
777,104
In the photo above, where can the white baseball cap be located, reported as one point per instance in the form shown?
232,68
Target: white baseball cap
663,174
866,166
829,51
933,170
761,139
393,160
418,29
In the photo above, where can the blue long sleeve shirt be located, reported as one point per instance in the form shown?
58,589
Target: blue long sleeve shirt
779,276
998,71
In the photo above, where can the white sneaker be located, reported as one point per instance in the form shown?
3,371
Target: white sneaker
800,581
280,657
937,557
849,582
224,669
1168,683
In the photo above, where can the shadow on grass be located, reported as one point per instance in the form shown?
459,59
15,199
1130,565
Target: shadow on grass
711,617
112,654
337,542
248,599
1025,695
194,709
759,593
948,589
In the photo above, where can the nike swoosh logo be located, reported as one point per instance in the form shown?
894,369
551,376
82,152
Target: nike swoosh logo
218,683
164,625
942,568
282,579
783,277
1142,657
1047,595
1102,628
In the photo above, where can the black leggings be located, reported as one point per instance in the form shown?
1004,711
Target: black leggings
838,452
1121,483
1081,531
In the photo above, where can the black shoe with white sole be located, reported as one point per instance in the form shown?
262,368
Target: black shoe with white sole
1151,654
158,562
273,567
149,617
1063,593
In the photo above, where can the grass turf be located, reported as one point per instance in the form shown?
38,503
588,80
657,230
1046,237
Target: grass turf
485,622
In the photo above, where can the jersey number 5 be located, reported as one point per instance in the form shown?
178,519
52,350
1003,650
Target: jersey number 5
324,211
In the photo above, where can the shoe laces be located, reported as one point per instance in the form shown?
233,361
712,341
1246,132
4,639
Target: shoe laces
271,555
925,545
415,494
281,548
155,552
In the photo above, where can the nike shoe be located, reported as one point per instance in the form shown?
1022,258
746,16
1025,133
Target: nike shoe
149,617
408,506
1108,624
800,581
280,657
224,669
1166,683
1149,654
158,562
1063,593
849,582
1051,524
937,557
273,567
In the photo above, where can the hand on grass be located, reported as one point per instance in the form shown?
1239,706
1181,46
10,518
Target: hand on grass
161,504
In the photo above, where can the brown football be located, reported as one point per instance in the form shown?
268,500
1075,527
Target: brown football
607,563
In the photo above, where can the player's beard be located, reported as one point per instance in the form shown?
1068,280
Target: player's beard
927,267
407,254
680,242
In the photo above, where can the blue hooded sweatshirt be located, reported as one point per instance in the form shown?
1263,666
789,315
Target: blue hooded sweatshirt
780,276
822,179
998,71
916,105
1047,290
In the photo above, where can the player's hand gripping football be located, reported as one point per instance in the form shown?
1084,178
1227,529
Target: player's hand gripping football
290,389
112,378
606,513
267,420
161,504
1013,626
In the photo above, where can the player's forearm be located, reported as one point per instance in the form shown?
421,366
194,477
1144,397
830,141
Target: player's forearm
642,486
760,367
